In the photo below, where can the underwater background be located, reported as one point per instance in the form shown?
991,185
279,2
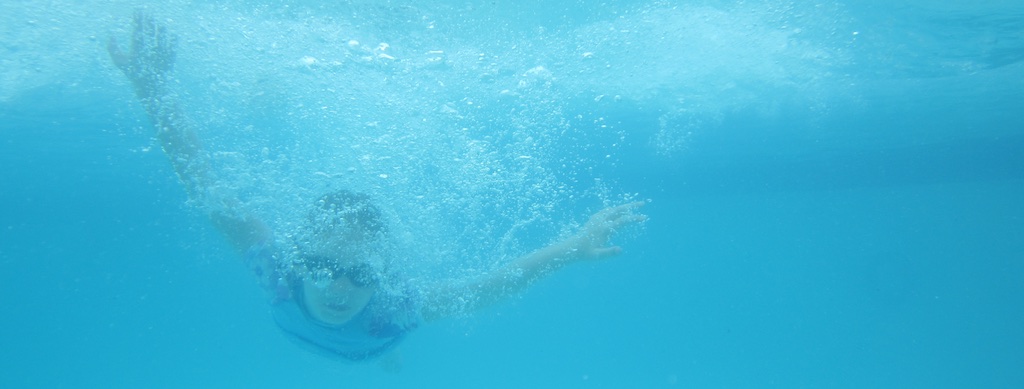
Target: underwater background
835,189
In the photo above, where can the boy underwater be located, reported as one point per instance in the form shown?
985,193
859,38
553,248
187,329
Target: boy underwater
335,294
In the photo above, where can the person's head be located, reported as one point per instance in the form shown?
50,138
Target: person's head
344,219
341,259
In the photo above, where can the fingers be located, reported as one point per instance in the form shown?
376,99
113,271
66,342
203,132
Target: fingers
152,47
626,220
620,210
623,214
165,43
603,224
139,32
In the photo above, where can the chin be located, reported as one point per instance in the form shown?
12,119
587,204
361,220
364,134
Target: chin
336,317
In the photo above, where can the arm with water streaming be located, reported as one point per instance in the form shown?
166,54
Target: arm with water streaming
148,64
590,243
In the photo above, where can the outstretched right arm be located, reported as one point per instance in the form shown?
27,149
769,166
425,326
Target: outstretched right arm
147,64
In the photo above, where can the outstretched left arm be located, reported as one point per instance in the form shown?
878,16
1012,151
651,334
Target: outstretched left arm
590,243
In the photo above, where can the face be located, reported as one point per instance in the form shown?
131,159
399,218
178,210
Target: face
338,302
348,293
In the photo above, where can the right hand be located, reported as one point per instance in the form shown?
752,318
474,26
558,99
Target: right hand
150,57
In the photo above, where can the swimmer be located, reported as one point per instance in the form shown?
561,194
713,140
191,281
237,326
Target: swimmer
334,291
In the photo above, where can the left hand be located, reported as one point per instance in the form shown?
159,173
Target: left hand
592,240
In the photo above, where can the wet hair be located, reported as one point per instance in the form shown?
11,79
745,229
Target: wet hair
344,210
355,218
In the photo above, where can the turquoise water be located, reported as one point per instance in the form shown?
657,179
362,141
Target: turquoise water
834,189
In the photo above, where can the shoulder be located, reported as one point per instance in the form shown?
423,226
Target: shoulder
264,259
399,301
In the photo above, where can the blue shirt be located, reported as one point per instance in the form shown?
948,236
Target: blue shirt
377,328
386,319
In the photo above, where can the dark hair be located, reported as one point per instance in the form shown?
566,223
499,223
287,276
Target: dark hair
344,209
